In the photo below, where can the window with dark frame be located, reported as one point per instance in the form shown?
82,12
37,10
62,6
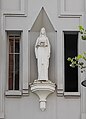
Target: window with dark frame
70,50
14,61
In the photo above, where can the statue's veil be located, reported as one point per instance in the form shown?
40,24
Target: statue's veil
44,33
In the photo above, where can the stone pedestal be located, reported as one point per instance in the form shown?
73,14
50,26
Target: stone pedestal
42,89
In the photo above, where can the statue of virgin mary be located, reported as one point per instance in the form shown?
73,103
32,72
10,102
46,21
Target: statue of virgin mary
42,52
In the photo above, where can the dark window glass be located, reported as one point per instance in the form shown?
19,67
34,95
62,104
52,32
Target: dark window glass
16,71
14,61
17,46
70,50
11,70
11,45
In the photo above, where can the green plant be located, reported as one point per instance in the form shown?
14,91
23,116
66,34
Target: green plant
79,60
82,32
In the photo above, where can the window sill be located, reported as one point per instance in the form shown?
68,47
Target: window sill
13,93
1,115
72,94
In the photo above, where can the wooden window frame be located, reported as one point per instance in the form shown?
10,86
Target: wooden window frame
13,92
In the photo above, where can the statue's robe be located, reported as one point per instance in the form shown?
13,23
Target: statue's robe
42,51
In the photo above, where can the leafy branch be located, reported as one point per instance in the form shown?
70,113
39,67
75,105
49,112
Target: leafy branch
79,60
82,32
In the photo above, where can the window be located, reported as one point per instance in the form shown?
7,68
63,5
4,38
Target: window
70,50
14,60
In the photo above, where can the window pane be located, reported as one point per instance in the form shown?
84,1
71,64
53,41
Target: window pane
11,62
11,45
14,54
16,71
70,50
17,47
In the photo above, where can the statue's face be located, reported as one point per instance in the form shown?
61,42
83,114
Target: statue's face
43,31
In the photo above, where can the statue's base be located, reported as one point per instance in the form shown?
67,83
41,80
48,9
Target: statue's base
42,88
42,79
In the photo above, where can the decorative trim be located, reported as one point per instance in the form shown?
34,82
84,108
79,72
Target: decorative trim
83,115
25,76
64,13
2,115
25,92
76,94
13,93
18,30
68,15
21,12
60,92
85,6
42,89
2,80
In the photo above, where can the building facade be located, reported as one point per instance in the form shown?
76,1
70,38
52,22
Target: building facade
20,24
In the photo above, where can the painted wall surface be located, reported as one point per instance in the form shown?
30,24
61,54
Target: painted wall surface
28,107
22,15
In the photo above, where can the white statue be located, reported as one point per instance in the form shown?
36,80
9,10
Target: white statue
42,52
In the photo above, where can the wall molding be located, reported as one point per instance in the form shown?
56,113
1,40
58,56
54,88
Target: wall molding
64,13
22,12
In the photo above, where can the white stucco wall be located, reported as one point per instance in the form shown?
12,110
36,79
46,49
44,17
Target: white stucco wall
21,15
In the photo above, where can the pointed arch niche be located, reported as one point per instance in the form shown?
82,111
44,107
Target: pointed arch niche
43,20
